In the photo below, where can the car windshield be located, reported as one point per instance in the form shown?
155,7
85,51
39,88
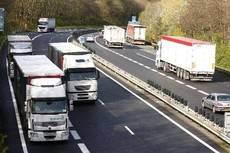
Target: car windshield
48,106
223,98
83,76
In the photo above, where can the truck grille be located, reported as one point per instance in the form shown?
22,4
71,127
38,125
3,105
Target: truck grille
86,87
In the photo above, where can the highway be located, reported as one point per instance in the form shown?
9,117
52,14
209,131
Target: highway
119,122
140,63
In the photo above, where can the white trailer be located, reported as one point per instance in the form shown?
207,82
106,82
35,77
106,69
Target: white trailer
41,98
46,25
79,69
135,32
190,59
114,36
17,45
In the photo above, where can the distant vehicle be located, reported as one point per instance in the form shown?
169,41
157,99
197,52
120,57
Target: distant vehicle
81,40
79,68
17,45
41,97
189,58
89,38
217,102
46,25
135,32
114,36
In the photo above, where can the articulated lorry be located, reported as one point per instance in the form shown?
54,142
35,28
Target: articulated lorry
17,45
189,58
114,36
80,71
41,97
46,25
135,32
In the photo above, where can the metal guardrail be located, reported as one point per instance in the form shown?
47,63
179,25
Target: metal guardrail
183,108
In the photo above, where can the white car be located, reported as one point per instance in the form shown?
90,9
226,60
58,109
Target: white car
217,102
89,38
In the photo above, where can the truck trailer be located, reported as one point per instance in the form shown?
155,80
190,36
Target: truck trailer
189,58
135,32
46,25
41,98
80,71
114,36
17,45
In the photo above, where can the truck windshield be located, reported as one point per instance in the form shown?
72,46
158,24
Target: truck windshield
47,106
83,74
42,23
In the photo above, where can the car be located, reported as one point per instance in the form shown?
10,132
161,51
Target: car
218,102
89,38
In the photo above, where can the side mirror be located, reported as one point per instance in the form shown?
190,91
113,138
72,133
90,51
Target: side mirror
25,106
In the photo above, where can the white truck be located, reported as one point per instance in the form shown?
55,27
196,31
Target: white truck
46,25
17,45
114,36
40,92
79,69
189,58
135,32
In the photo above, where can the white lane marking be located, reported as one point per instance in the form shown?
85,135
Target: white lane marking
171,78
40,35
83,148
147,67
69,38
75,135
154,70
141,64
164,115
191,87
69,123
130,131
20,130
203,92
162,74
179,82
100,101
145,57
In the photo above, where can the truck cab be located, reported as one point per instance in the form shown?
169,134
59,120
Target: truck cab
46,25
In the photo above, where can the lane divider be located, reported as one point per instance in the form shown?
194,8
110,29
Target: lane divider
75,135
129,130
83,148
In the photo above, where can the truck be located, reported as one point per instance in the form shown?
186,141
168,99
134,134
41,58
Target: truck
114,36
46,25
135,32
79,68
17,45
41,98
189,58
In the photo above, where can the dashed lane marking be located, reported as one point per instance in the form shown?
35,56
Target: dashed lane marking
191,87
100,101
69,123
179,82
203,92
145,57
75,135
130,131
83,148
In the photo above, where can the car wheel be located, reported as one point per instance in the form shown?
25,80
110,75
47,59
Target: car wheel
214,109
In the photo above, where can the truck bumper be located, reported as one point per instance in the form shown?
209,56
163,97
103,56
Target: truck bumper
82,96
48,135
